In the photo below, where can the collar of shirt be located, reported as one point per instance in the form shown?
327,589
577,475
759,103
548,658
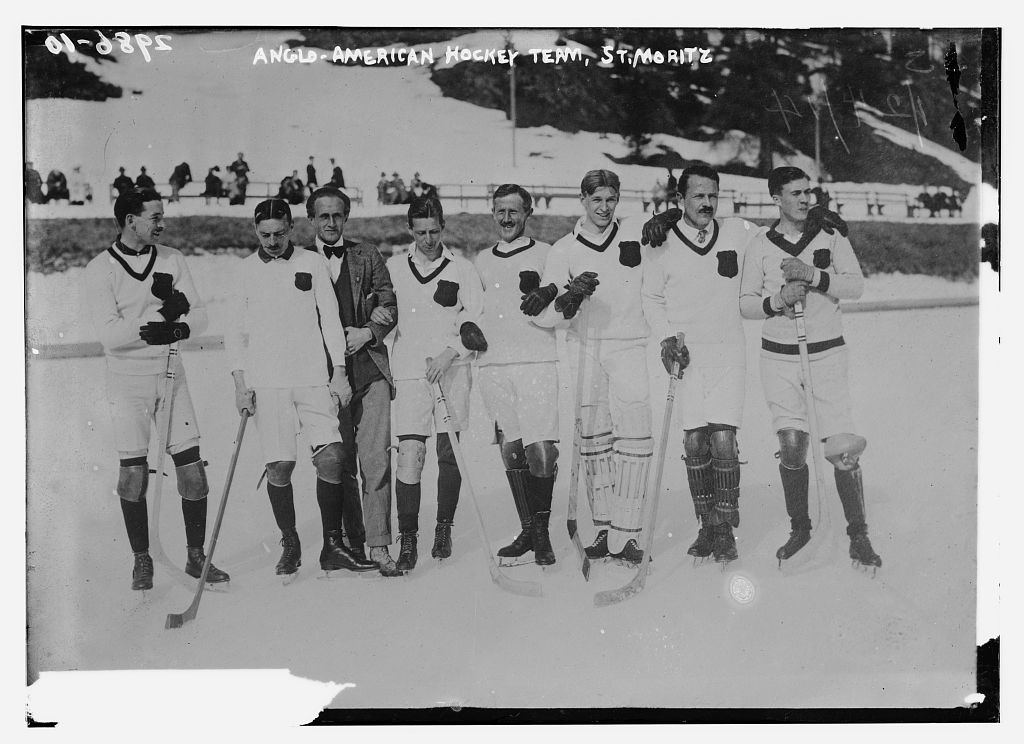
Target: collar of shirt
267,258
417,257
593,237
330,250
126,251
503,247
692,232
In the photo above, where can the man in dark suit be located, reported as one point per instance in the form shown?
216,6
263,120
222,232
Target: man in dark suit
369,311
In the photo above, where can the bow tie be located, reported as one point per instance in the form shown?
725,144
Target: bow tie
335,250
129,252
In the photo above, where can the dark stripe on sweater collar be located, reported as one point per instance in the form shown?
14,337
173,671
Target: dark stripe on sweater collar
429,277
607,241
793,249
131,272
514,251
700,250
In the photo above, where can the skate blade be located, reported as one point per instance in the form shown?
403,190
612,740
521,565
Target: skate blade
505,562
864,567
700,560
287,579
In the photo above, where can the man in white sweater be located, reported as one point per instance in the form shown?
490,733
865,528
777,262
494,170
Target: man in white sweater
616,444
440,300
284,315
142,299
805,257
692,286
518,374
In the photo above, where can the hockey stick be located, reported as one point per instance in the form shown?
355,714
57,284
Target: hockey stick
636,585
176,620
163,435
577,443
824,521
516,586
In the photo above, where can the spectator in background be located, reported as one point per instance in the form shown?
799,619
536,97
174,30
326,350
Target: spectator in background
181,176
337,177
79,191
291,189
658,195
56,186
214,185
416,185
33,184
311,175
927,201
382,188
241,170
123,183
399,194
672,190
144,181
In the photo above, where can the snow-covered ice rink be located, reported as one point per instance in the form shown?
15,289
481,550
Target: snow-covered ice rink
825,636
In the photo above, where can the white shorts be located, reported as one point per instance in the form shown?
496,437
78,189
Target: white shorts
614,385
712,395
782,380
414,408
523,399
133,401
283,413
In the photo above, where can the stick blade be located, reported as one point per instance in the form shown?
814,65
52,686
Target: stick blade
174,620
515,586
614,596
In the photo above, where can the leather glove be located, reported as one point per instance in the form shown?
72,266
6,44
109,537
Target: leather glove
673,353
655,230
156,333
472,337
819,218
537,299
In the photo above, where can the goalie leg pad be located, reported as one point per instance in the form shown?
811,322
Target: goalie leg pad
844,450
599,474
542,459
412,453
633,464
793,448
727,490
132,479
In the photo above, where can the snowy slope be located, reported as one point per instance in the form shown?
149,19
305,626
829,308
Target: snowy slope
830,636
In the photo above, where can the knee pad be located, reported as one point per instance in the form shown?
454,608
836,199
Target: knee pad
280,473
412,453
328,462
844,450
132,479
723,443
695,443
512,454
793,448
541,458
192,483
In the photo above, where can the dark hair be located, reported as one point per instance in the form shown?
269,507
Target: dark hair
779,177
597,179
326,191
508,189
701,170
131,202
272,209
425,207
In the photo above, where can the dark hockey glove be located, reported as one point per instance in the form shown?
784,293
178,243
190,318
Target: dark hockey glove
472,337
163,285
175,306
656,229
819,218
156,333
536,300
673,353
581,287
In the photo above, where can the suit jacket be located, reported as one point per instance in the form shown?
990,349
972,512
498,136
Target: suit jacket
371,288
